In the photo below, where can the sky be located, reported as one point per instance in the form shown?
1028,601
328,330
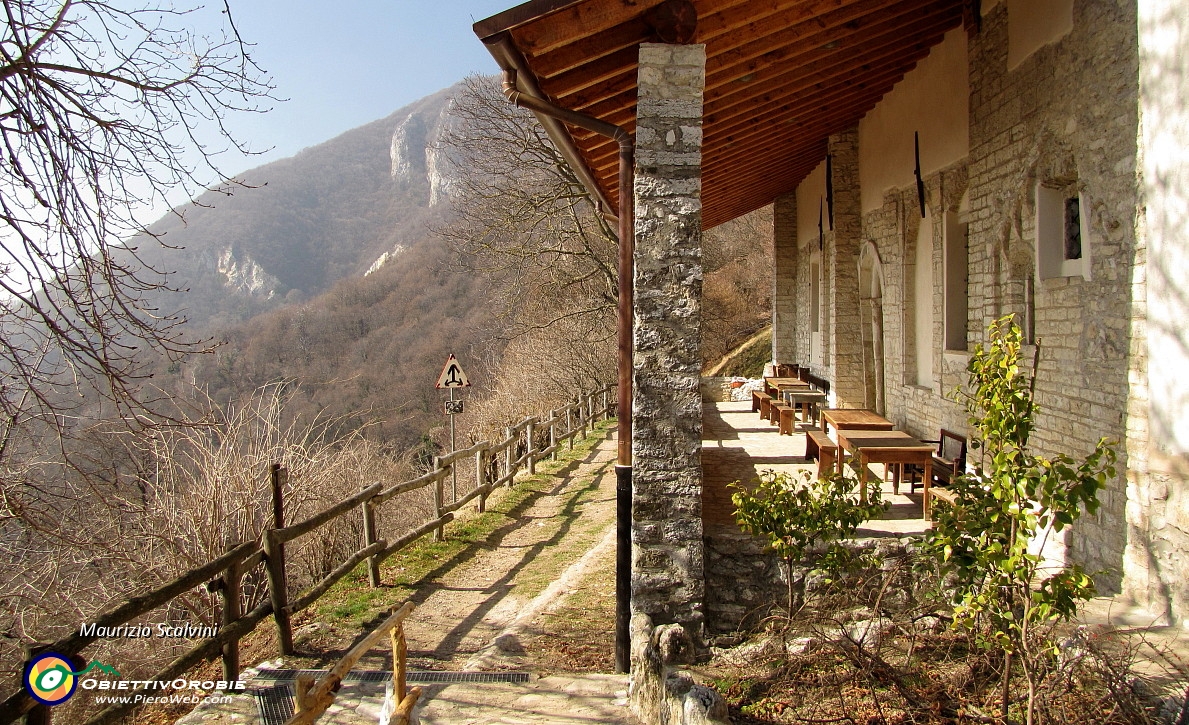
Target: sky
341,64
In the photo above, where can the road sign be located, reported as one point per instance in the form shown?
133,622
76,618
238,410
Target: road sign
453,407
452,375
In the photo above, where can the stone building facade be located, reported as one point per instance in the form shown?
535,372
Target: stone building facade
1035,137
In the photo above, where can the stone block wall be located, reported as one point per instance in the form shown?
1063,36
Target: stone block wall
667,549
846,352
785,349
1066,115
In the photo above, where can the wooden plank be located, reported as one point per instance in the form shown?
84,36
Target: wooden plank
450,458
413,485
519,15
415,534
312,594
322,694
290,533
576,20
475,493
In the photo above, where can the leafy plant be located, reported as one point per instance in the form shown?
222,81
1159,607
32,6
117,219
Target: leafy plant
797,515
988,539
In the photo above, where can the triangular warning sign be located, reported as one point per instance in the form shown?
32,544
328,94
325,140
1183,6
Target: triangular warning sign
452,375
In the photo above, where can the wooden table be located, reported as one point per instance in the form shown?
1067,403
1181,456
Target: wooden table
773,385
853,419
806,398
887,447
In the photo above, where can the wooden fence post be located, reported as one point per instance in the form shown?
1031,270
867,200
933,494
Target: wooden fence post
607,402
553,418
399,658
369,538
438,495
274,552
229,591
509,457
39,714
570,423
481,475
530,438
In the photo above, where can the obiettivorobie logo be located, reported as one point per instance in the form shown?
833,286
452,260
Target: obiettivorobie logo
50,680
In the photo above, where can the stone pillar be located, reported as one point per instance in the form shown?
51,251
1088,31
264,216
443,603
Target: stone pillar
845,350
784,281
667,552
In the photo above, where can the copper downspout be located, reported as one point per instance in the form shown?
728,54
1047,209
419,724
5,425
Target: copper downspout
627,242
627,251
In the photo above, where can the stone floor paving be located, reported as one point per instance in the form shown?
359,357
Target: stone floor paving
737,445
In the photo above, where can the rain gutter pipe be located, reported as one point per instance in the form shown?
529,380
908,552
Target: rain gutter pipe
627,250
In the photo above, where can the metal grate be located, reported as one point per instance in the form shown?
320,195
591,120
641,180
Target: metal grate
424,677
275,704
435,676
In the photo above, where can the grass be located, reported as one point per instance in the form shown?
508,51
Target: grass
749,362
352,602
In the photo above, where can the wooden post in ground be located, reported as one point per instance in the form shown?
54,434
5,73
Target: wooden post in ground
553,435
438,495
481,475
399,656
274,552
509,456
570,423
531,444
274,560
229,591
369,538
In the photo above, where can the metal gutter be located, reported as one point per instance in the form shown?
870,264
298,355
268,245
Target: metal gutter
522,90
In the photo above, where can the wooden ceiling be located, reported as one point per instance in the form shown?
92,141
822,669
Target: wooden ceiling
781,76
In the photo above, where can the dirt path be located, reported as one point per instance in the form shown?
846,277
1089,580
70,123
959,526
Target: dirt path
462,611
506,605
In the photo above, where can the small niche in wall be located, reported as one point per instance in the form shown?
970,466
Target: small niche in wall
1062,236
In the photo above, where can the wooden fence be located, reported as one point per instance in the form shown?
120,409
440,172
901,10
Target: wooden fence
495,464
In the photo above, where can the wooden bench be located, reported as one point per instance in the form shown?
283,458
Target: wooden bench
819,445
757,401
788,419
774,409
942,493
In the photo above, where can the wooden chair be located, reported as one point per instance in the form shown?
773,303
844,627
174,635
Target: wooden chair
948,461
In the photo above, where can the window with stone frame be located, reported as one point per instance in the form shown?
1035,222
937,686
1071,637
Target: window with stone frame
1062,232
957,282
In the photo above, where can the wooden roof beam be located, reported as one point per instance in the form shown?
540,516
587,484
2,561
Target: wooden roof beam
621,109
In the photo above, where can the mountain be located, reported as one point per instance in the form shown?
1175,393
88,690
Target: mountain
325,273
333,211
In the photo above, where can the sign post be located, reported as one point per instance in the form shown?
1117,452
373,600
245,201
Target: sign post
453,377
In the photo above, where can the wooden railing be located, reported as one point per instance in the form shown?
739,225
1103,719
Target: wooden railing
314,697
526,442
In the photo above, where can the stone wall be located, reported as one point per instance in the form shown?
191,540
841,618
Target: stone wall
784,282
1066,115
842,251
667,552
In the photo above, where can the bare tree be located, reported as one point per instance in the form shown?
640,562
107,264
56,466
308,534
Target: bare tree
105,114
523,219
